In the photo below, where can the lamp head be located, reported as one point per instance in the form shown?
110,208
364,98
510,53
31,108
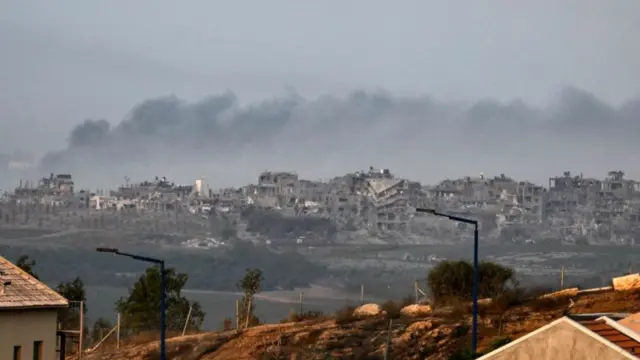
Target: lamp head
428,211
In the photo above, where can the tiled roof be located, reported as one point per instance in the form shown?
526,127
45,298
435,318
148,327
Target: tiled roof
24,291
631,322
613,335
603,330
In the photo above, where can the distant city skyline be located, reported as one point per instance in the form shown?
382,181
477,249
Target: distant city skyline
200,181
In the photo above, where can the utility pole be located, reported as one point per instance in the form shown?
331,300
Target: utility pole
475,224
80,337
163,292
186,324
118,332
386,349
246,321
361,294
562,278
237,314
300,303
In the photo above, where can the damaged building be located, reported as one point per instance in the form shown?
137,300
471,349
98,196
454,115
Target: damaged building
387,200
377,204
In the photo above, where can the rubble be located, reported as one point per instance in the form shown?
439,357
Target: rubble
374,206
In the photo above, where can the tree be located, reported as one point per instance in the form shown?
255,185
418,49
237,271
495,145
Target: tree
494,279
69,318
26,265
250,285
450,279
73,291
454,279
140,311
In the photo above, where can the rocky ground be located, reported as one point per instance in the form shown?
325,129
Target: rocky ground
435,334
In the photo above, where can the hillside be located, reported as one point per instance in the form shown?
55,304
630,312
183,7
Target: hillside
435,335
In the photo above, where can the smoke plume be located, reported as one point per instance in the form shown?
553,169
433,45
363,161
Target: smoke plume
416,137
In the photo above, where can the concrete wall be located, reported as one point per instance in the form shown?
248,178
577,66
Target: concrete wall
560,342
23,328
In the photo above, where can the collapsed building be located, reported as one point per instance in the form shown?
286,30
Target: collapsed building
386,200
54,190
572,209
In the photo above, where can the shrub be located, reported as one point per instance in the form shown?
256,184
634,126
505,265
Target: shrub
537,291
227,324
308,315
548,303
345,315
451,279
460,331
503,302
459,309
407,300
428,351
455,279
498,343
392,309
464,354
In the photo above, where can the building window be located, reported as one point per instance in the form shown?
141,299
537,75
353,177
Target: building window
37,350
17,352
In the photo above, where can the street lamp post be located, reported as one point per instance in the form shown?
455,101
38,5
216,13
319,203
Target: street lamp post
163,293
474,331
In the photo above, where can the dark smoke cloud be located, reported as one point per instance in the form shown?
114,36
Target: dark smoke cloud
417,137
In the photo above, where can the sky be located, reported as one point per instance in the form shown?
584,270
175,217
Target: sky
67,61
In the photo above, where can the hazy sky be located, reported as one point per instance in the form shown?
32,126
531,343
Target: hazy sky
65,61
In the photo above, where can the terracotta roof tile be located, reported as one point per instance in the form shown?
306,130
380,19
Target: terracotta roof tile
606,331
631,322
24,291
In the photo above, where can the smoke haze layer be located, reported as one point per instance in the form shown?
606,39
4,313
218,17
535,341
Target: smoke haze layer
416,137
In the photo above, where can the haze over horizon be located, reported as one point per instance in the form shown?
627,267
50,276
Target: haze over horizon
528,90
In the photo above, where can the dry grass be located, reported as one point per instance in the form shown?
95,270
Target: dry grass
345,315
143,338
304,316
550,303
440,334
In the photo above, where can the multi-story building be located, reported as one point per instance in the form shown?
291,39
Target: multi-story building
277,183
